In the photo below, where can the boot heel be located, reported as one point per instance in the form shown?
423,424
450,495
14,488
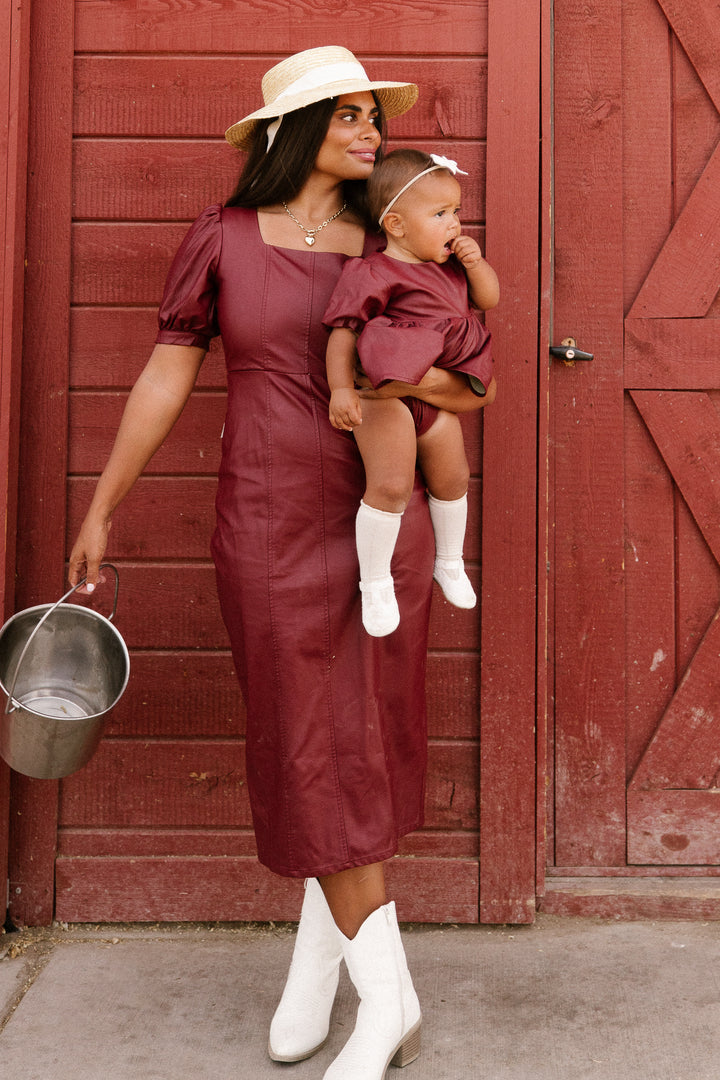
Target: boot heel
409,1048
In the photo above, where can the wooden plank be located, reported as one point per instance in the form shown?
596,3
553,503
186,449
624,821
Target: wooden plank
683,281
697,25
41,502
167,180
14,103
123,264
154,842
696,126
192,95
686,430
587,436
110,347
193,447
89,842
660,899
168,607
674,827
278,28
685,750
239,889
508,674
544,824
672,354
698,585
648,147
164,517
14,83
451,796
179,695
651,586
139,180
200,783
634,871
189,783
435,844
453,684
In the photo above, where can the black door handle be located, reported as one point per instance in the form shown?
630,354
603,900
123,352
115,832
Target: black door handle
568,352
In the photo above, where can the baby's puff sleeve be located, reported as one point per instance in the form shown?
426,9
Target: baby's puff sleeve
361,294
187,313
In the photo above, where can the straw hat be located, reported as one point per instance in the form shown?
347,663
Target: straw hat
312,76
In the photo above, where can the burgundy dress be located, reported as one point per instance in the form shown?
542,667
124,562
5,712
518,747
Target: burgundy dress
336,727
410,316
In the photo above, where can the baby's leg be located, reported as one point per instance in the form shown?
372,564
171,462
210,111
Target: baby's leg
441,452
386,439
442,458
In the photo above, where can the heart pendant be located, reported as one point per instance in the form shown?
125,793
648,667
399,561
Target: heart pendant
309,240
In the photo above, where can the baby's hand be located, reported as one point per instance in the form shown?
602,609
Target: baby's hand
345,409
467,251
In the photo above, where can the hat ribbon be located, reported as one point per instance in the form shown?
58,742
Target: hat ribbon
324,76
439,163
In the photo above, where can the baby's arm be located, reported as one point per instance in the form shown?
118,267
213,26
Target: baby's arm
483,285
341,358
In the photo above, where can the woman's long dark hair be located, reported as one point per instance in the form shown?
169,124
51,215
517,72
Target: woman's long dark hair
278,175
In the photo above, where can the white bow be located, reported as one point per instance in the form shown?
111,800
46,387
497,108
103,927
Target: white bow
448,163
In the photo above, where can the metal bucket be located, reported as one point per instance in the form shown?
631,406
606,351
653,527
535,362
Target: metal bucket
62,668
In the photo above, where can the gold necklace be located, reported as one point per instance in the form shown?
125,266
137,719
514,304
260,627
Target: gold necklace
310,233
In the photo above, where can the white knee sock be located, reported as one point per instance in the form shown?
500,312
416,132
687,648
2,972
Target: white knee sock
376,532
449,520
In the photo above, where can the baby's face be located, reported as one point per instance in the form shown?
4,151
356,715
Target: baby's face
429,212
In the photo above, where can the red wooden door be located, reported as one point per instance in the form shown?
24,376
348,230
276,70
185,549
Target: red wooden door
636,438
126,150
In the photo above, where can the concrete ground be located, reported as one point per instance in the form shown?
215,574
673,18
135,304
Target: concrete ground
564,999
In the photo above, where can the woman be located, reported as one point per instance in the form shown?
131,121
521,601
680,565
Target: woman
336,725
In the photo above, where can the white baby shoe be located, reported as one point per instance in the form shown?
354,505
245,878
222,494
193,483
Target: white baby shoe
380,613
454,582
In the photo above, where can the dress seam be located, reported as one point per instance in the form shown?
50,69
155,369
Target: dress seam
326,586
281,718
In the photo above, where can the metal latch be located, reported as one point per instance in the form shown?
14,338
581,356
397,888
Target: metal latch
568,352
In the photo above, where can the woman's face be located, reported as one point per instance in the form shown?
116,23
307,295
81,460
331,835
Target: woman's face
348,150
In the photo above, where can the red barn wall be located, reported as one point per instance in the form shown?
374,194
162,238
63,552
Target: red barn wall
127,127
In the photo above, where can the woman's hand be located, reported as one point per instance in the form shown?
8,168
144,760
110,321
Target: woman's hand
88,551
444,389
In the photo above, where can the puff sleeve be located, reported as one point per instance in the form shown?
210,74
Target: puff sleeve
187,313
361,294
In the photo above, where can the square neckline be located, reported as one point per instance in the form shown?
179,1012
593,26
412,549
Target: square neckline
299,251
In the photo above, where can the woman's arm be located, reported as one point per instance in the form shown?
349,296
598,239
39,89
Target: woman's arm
154,404
444,389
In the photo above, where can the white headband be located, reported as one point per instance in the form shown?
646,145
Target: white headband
440,163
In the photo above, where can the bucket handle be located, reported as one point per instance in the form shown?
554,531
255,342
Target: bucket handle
48,613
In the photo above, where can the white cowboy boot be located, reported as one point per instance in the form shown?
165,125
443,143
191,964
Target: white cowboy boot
388,1022
302,1019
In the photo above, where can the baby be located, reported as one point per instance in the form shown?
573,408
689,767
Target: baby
402,311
